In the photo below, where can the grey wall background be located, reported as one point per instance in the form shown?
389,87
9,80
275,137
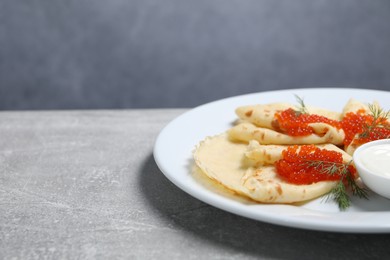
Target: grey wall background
61,54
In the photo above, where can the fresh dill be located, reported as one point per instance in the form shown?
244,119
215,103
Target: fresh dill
379,120
326,167
339,193
302,109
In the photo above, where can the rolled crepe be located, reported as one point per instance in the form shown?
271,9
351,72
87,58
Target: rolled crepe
323,133
263,115
258,154
225,162
353,106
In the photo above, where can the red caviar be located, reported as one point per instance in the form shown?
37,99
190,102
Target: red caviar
295,123
355,123
295,166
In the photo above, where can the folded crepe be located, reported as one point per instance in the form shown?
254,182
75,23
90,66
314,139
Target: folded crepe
355,106
258,122
262,115
323,133
249,171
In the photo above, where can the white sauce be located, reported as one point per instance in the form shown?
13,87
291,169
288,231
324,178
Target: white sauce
377,159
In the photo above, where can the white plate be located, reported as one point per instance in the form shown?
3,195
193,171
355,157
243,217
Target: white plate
175,143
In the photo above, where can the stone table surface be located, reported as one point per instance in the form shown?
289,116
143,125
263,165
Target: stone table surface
84,185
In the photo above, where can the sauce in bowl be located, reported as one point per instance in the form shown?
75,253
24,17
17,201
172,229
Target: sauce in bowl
372,161
377,159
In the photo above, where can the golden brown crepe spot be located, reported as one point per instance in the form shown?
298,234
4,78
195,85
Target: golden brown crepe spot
276,126
279,189
249,113
259,179
303,193
249,185
257,175
259,134
258,172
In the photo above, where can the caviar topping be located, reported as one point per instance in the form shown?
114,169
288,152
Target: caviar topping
295,123
366,127
308,164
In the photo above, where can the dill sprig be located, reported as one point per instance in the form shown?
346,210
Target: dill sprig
302,109
339,193
326,167
379,118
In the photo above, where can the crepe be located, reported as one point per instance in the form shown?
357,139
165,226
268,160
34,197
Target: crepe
355,106
243,158
323,133
249,171
263,115
258,122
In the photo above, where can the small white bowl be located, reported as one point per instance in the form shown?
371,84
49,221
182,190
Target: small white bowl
377,182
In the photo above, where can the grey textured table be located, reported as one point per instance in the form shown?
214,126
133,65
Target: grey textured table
84,185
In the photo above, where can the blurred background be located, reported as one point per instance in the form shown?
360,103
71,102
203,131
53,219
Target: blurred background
87,54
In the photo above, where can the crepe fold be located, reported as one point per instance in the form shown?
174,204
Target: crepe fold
248,170
258,123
